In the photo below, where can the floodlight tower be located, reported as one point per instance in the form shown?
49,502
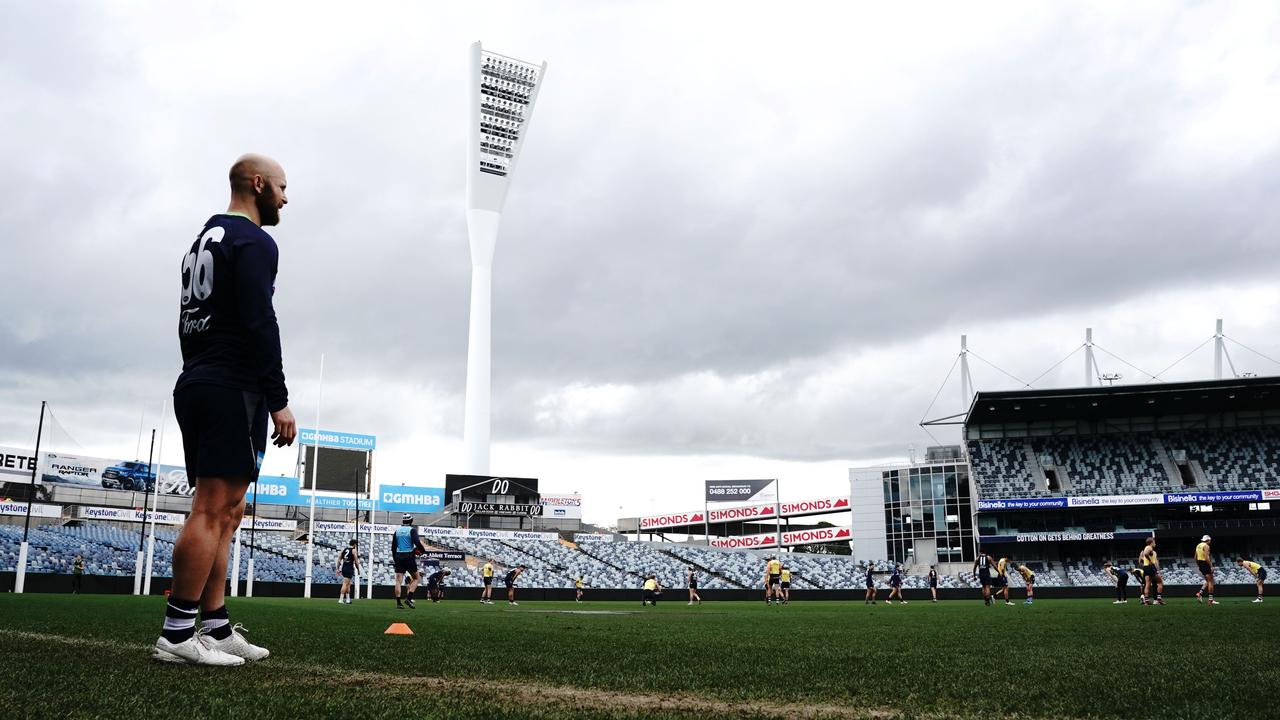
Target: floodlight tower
503,93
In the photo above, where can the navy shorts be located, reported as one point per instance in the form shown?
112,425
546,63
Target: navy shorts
1262,574
1205,568
786,585
224,431
404,562
348,572
984,576
488,581
775,579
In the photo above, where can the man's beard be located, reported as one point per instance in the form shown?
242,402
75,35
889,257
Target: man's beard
268,213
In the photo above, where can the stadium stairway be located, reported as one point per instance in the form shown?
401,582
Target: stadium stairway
704,569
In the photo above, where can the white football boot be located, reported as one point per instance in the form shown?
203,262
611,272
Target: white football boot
235,644
193,651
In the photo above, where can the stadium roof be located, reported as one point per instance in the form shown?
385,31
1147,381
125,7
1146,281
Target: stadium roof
1119,401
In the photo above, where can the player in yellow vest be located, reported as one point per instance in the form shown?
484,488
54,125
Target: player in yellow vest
1029,578
1259,574
1001,579
773,576
1204,561
486,574
652,591
1151,579
785,584
578,585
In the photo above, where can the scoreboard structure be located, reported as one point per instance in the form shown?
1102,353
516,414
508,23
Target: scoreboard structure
333,463
485,501
339,470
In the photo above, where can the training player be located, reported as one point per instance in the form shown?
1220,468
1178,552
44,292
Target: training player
510,581
1150,564
435,584
895,585
652,591
347,567
577,586
486,575
1029,578
232,378
933,582
773,577
1204,562
1121,578
870,598
693,586
1139,576
405,546
1259,574
784,585
1001,579
982,565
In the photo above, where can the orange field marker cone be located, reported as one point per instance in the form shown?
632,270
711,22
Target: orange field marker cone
398,629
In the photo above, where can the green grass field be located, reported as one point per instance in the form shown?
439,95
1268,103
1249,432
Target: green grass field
86,656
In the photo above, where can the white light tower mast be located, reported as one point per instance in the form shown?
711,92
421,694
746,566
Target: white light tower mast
503,93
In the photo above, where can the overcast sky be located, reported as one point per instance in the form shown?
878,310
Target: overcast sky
742,241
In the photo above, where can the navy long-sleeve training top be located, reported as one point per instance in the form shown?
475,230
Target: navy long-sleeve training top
227,324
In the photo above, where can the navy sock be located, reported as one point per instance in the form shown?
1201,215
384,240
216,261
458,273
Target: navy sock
217,624
179,620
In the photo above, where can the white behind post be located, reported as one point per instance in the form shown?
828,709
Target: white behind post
314,470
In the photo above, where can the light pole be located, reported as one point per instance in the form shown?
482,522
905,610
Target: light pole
503,93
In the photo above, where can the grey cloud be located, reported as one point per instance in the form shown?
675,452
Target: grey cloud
694,212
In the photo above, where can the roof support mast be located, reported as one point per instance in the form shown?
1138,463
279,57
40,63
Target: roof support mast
1090,365
966,381
1218,348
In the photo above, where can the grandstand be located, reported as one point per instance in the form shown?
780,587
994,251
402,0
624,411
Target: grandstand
1128,463
1071,477
109,548
1060,480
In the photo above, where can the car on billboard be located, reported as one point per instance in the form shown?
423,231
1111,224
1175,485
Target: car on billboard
129,475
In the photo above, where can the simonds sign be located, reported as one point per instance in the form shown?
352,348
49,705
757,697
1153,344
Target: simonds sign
672,520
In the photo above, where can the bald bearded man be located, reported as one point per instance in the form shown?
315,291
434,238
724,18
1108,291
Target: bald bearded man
232,378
